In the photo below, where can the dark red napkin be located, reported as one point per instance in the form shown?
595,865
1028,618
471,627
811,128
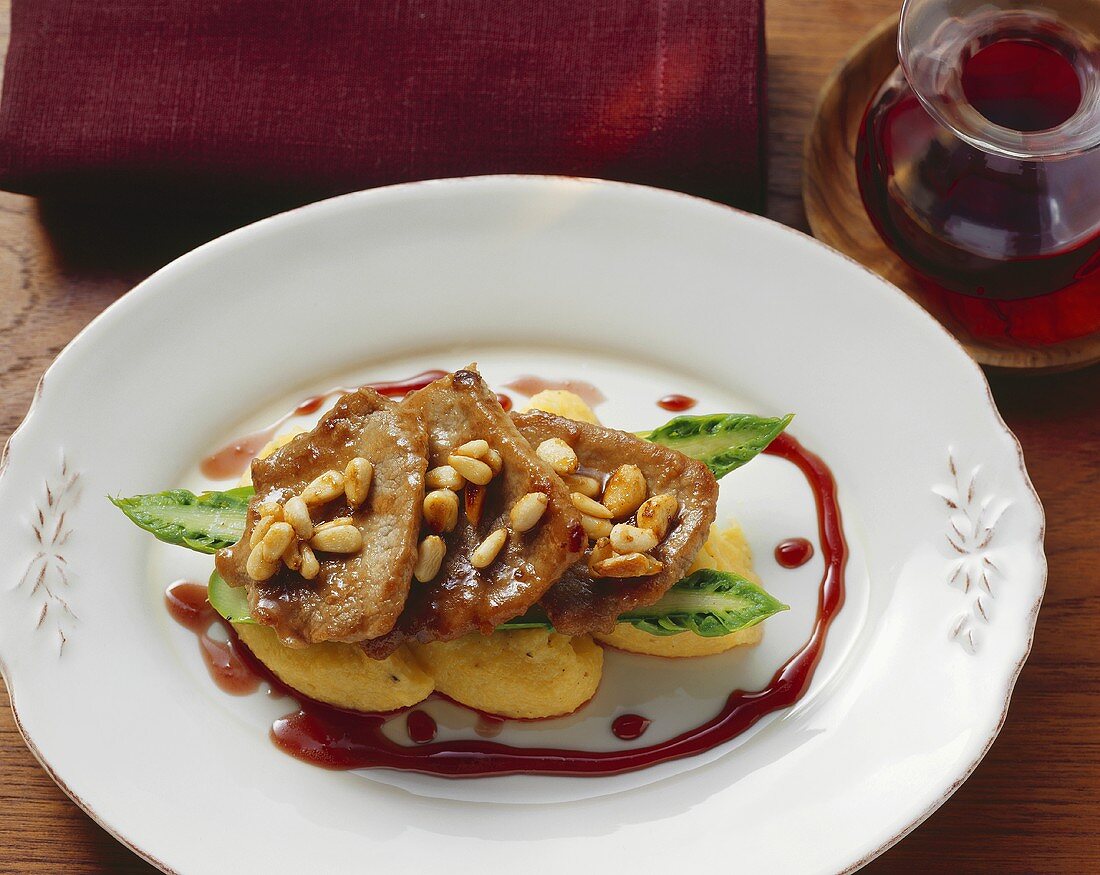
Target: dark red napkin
300,99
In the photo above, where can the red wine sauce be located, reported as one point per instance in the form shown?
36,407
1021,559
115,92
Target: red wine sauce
529,385
310,405
228,666
232,459
677,403
489,726
401,388
629,726
420,726
187,605
794,552
226,661
339,739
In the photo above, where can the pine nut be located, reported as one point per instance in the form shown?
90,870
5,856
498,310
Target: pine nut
473,449
357,479
257,567
590,506
276,540
627,565
601,550
631,539
595,528
474,499
271,509
310,566
494,460
337,521
441,510
338,539
260,529
445,477
487,550
292,555
657,514
527,512
473,470
625,491
297,514
583,484
324,488
429,557
558,455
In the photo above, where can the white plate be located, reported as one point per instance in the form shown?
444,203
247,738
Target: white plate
642,292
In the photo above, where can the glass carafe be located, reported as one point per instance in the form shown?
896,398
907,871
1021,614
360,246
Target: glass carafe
978,163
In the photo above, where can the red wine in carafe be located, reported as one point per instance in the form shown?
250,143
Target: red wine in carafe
1010,244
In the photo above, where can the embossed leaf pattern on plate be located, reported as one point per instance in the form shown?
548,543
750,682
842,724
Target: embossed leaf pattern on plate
47,575
971,530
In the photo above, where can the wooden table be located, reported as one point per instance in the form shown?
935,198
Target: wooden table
1032,806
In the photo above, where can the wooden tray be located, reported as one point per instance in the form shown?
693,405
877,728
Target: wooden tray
836,215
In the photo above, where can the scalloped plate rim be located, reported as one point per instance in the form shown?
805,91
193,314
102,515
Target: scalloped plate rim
118,309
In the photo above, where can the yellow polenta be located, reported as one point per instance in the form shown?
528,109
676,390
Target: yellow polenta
341,674
561,403
520,673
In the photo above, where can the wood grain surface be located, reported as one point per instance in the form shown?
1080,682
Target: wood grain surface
1033,805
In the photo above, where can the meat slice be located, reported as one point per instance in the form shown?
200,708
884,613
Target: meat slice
578,603
358,596
461,598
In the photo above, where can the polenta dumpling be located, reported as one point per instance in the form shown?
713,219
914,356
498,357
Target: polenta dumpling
626,637
340,674
525,673
726,550
561,402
